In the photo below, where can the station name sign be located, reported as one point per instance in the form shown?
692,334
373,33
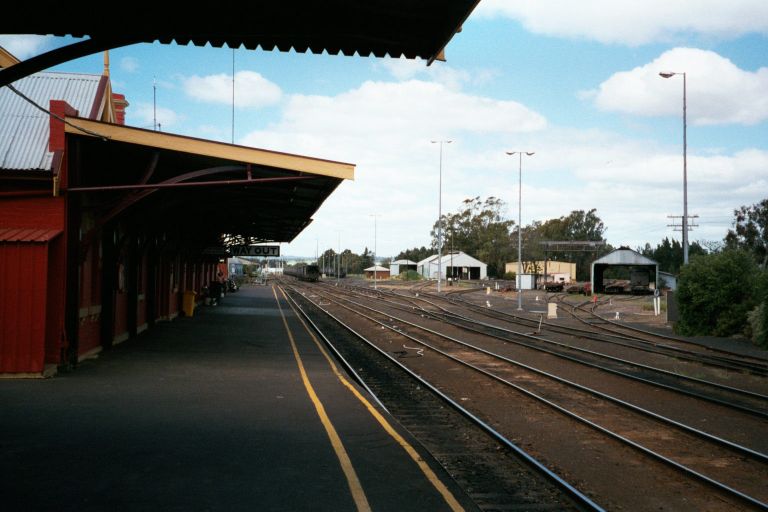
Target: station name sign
255,250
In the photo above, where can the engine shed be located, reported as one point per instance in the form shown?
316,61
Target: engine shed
627,259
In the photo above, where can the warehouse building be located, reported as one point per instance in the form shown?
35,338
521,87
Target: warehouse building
549,270
376,272
454,265
400,266
643,272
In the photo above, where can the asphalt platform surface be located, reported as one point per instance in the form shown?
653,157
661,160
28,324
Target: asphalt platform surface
203,413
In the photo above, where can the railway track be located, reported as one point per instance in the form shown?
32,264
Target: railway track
743,400
622,422
603,329
496,473
669,345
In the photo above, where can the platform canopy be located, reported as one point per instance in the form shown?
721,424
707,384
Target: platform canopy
200,189
414,29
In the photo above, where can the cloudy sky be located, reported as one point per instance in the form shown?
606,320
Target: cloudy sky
577,83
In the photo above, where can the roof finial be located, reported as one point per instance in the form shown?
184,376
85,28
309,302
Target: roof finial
106,63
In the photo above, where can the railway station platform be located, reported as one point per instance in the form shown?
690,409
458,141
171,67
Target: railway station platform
235,408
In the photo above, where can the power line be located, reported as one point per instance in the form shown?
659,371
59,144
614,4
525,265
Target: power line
679,227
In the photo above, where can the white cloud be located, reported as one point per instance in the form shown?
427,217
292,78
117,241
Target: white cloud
406,69
385,129
25,46
251,89
405,112
718,91
142,115
129,64
635,184
634,23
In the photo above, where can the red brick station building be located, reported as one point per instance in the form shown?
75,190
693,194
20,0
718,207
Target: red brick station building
104,227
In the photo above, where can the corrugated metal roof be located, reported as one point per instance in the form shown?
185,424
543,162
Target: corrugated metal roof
460,259
427,260
377,268
24,129
372,27
379,27
624,257
27,234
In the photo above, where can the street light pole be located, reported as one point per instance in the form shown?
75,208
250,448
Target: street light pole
453,271
338,261
519,277
440,216
375,282
669,74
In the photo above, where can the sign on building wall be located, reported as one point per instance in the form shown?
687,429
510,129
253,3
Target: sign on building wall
255,250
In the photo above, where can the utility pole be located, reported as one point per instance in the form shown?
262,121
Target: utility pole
440,216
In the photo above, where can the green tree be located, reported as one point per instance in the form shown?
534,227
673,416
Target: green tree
416,254
750,231
669,254
578,226
348,261
480,230
715,292
758,317
366,260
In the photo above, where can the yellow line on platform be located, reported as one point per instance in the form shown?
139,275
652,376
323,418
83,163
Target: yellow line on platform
447,495
358,494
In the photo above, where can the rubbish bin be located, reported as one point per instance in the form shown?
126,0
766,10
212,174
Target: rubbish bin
189,303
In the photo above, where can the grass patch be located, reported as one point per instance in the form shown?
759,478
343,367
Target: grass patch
410,275
648,306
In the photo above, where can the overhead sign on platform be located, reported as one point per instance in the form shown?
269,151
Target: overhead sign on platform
255,250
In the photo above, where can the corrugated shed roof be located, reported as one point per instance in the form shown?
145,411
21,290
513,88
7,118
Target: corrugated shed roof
27,234
24,129
624,257
427,260
460,259
377,268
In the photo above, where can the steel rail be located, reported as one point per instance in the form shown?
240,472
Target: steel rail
684,469
759,364
569,489
741,364
336,353
451,319
624,361
750,363
688,429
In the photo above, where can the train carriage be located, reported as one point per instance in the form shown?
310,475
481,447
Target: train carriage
303,272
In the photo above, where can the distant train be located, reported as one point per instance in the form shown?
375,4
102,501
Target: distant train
303,272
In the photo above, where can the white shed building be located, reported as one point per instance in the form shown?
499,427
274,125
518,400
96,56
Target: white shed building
456,265
669,280
397,267
422,267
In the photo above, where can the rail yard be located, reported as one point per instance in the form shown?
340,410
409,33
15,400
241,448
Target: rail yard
572,413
